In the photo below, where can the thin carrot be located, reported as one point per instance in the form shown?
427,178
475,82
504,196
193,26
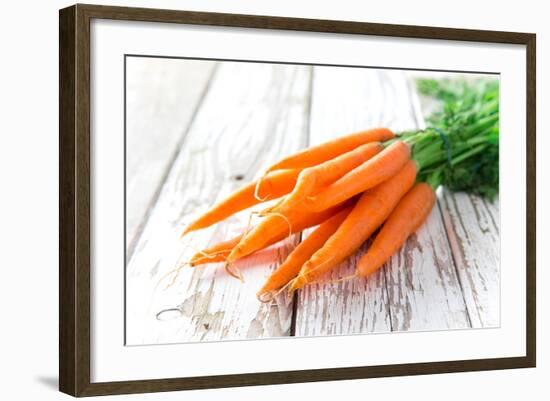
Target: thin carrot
274,185
329,150
374,206
218,257
221,251
294,261
312,179
406,218
369,174
216,253
276,224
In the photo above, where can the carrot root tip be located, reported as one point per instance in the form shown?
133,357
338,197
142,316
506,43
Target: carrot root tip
265,297
233,272
296,284
176,271
343,279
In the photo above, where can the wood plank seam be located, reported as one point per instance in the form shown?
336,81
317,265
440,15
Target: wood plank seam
455,266
301,237
415,108
385,276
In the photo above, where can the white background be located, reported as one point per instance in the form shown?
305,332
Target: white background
28,216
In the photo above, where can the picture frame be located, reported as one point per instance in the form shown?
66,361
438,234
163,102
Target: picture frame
76,199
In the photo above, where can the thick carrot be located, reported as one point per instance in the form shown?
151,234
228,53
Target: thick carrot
406,218
274,185
294,261
312,179
369,174
329,150
274,225
374,206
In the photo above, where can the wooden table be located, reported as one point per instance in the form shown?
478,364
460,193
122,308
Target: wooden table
196,130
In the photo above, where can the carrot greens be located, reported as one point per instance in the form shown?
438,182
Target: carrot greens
459,146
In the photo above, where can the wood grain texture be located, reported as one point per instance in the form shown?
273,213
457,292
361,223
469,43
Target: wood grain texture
304,24
472,226
161,99
67,202
418,289
252,115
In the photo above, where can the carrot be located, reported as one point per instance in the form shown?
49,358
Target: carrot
294,261
221,251
329,150
216,253
407,217
369,174
312,179
273,186
274,225
200,259
369,213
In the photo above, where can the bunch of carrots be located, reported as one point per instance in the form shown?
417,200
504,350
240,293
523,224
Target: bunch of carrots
363,183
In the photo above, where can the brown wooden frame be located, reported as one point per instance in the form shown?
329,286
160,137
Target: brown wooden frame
74,199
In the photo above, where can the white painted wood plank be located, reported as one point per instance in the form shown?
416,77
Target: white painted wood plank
161,98
346,100
347,307
473,229
251,116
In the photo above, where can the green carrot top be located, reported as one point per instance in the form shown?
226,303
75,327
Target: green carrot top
459,148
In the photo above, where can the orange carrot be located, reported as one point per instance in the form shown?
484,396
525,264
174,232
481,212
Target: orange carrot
221,251
312,179
274,225
216,253
374,206
369,174
406,218
329,150
200,259
273,186
294,261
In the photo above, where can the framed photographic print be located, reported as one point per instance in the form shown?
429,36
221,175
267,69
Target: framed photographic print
250,200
